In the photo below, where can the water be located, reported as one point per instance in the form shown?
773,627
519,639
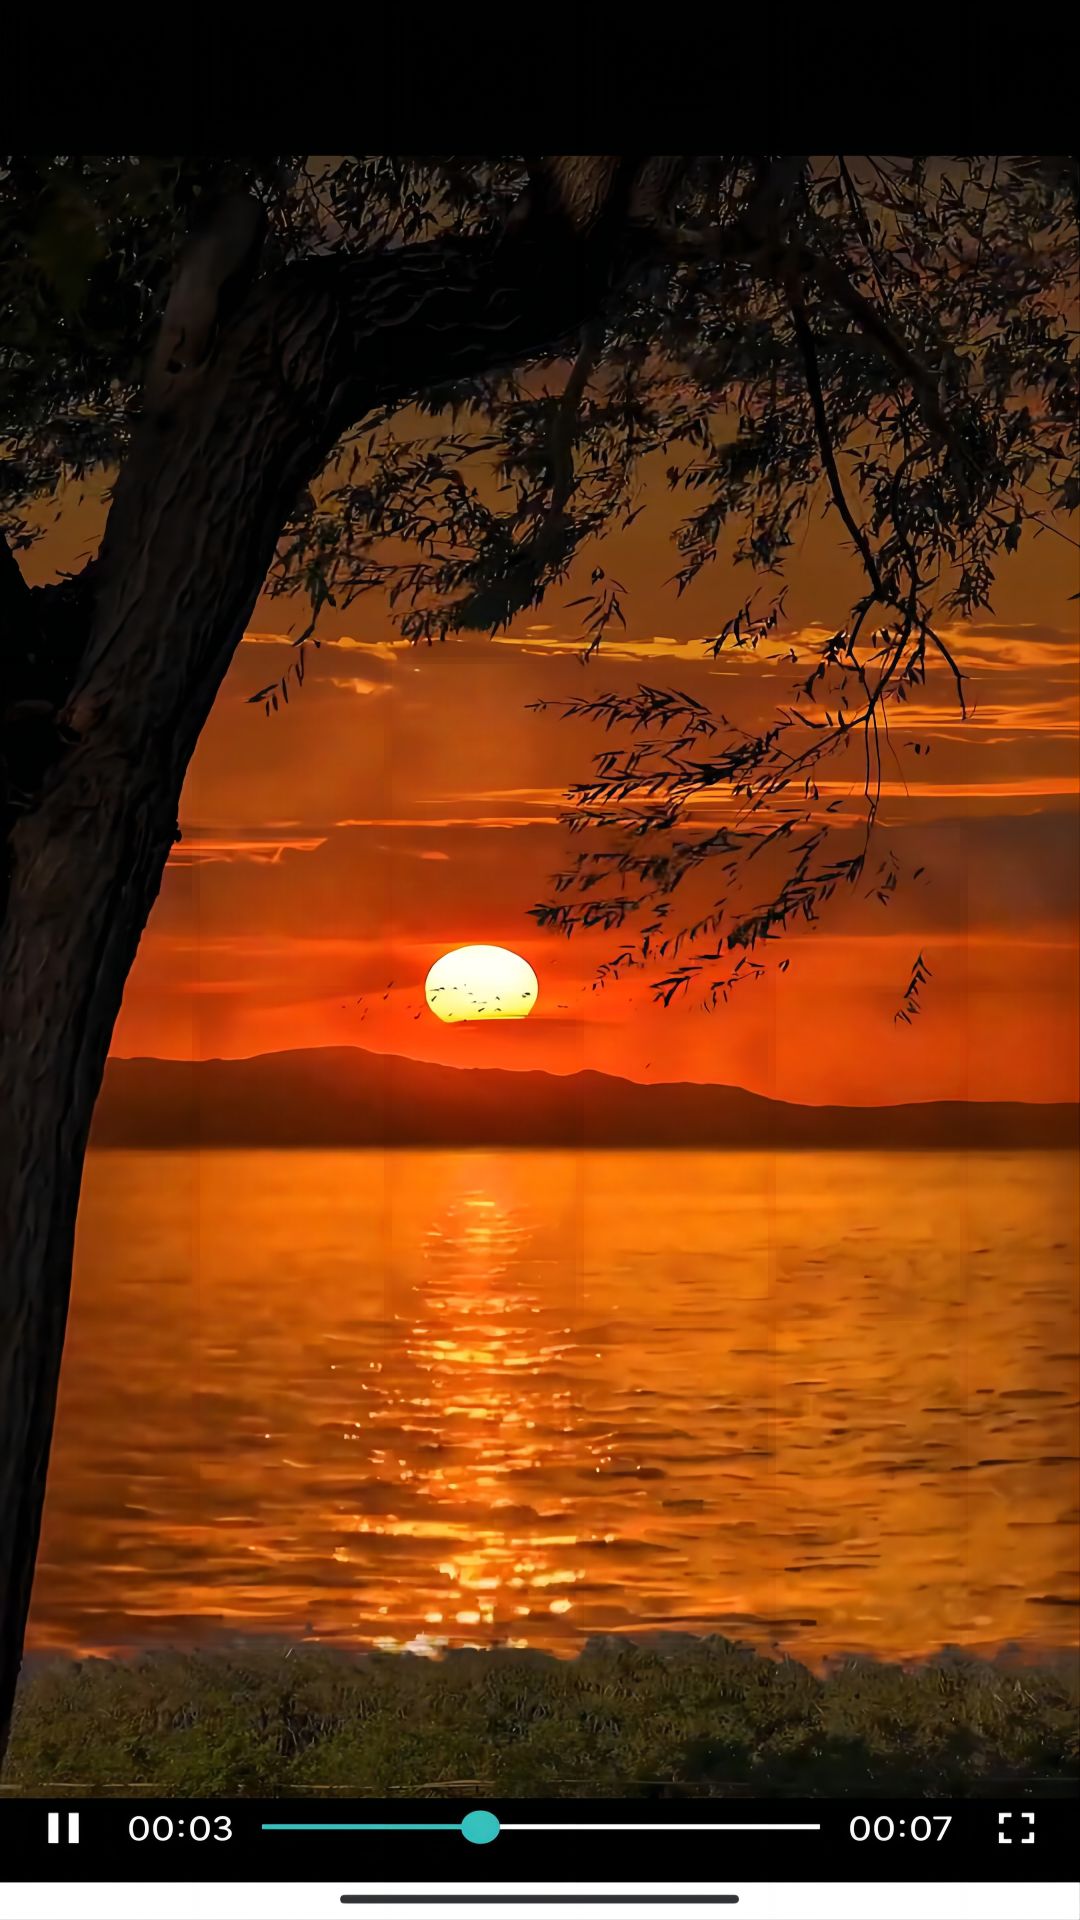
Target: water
816,1401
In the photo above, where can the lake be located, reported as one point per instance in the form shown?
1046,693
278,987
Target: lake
820,1402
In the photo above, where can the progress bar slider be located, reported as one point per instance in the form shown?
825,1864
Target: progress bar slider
481,1827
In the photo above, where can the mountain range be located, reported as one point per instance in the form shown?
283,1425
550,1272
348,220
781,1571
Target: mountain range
348,1097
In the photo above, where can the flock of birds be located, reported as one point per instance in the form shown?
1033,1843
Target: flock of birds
362,1001
365,1001
479,1006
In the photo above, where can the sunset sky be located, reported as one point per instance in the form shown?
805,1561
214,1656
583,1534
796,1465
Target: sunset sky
405,802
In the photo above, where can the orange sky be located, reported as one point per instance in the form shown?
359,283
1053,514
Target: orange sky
405,802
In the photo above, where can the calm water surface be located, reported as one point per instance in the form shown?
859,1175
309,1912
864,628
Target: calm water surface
818,1401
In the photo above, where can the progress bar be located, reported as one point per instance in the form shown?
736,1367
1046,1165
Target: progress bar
481,1827
540,1899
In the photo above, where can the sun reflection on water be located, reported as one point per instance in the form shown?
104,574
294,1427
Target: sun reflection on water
491,1361
419,1400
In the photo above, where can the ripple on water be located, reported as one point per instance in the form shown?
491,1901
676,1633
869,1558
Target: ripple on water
524,1397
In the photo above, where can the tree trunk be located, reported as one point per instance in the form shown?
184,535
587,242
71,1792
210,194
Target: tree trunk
223,452
68,940
188,542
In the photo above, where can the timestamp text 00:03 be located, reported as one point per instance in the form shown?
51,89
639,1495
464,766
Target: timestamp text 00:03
199,1827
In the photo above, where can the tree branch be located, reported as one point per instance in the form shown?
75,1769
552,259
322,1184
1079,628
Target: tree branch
754,239
259,401
561,460
833,280
579,185
808,350
425,316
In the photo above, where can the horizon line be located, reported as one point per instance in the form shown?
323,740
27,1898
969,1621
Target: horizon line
599,1073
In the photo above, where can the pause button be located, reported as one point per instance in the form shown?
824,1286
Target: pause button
72,1830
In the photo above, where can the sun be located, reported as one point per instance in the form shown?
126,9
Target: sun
481,983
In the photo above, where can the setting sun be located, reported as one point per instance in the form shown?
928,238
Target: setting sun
481,983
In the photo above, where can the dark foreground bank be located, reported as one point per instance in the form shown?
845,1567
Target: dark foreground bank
704,1718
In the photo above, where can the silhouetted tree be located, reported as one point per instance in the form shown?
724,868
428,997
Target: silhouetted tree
232,342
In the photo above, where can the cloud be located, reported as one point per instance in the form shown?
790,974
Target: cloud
456,820
203,847
416,853
993,642
354,684
532,796
1020,716
382,649
1032,786
1025,630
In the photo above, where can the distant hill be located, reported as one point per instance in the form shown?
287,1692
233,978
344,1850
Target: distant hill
346,1097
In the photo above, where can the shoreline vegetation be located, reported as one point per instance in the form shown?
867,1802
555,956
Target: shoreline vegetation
708,1717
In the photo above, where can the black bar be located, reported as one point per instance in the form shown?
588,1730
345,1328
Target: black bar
1007,1839
540,1899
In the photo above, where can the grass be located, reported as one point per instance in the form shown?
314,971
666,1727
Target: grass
704,1718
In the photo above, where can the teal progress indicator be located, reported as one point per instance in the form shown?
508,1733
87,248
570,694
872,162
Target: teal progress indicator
479,1827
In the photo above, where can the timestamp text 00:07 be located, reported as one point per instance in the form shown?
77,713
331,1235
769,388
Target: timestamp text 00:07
883,1828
